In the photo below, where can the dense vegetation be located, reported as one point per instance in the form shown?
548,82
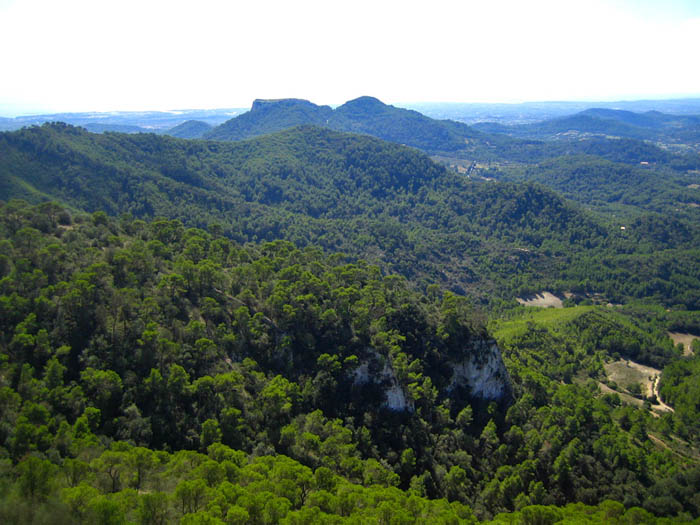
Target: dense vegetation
382,202
165,357
369,116
190,129
365,115
616,188
127,346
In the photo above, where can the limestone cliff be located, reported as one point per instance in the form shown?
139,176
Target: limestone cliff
481,372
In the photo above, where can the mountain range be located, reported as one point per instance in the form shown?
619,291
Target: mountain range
366,115
650,125
346,192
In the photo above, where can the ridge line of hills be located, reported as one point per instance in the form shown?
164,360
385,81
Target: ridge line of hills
449,138
374,199
366,115
651,125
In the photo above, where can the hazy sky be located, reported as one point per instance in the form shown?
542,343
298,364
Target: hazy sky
83,55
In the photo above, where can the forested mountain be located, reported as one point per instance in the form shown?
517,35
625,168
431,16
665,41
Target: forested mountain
616,187
369,116
190,129
269,116
365,115
388,204
155,373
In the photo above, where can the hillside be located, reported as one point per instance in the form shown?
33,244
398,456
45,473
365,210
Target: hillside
370,116
269,116
616,188
365,115
190,129
375,200
150,369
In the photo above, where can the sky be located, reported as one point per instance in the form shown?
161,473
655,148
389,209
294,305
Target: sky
104,55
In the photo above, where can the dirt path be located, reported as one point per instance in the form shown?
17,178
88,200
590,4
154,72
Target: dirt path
652,385
605,389
686,339
660,404
625,372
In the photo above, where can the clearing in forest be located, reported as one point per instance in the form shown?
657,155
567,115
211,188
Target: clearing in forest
543,300
686,339
626,374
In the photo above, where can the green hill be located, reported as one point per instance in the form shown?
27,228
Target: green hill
651,125
370,116
269,116
365,115
375,200
616,187
190,129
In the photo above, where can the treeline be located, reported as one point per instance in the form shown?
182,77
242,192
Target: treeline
680,386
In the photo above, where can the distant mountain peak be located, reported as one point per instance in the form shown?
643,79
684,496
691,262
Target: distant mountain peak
190,129
366,99
366,115
265,103
365,104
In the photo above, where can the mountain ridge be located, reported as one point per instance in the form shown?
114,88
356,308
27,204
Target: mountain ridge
649,125
345,192
367,115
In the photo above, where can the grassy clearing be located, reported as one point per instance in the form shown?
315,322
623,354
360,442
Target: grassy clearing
627,374
550,318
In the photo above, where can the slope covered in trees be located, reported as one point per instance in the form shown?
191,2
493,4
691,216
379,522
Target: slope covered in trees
388,204
370,116
190,129
615,187
365,115
127,346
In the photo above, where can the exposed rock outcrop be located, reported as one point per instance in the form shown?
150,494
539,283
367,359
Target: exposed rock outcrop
481,373
395,397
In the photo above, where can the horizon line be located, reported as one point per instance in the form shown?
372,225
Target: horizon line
661,98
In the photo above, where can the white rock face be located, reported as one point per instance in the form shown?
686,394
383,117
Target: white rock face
482,371
395,397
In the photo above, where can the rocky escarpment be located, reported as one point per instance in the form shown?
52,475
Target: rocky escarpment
481,373
395,397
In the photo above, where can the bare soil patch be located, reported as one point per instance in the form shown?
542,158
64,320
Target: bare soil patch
626,398
543,300
686,339
627,373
